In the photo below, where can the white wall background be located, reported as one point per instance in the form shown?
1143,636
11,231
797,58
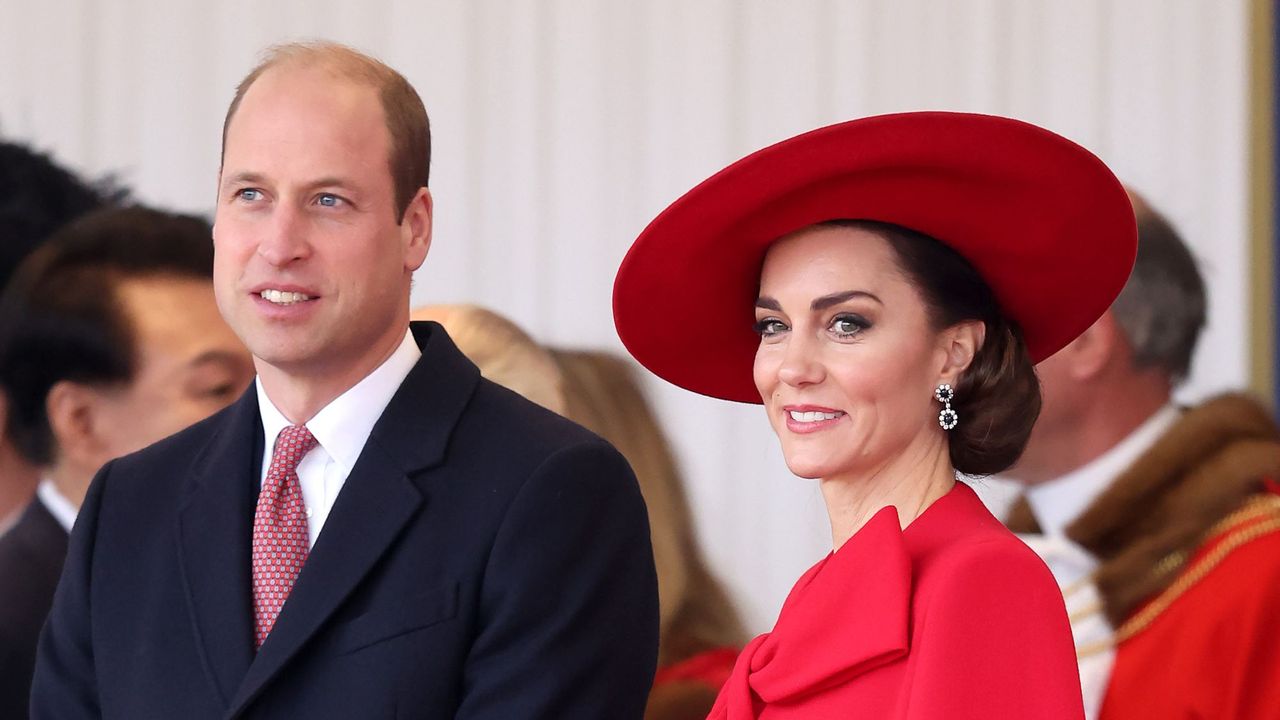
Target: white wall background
562,126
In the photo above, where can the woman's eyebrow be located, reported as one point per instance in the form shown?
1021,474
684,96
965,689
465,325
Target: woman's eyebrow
827,301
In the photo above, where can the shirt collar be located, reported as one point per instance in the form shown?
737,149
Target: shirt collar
62,509
343,426
1058,502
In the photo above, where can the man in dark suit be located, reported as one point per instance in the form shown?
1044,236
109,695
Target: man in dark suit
372,531
109,340
37,196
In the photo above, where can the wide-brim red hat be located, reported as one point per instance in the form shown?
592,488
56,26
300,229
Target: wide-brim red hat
1043,220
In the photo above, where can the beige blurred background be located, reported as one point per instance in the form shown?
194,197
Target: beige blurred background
562,126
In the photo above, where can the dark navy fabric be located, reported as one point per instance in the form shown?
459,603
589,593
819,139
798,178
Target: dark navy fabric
486,559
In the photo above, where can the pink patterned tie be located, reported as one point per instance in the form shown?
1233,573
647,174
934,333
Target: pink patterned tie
279,530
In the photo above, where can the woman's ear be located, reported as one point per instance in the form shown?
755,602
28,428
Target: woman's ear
960,344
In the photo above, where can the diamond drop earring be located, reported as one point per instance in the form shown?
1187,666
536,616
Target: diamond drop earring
947,418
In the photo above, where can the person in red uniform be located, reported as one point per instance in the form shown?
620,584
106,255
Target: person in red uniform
904,272
1175,511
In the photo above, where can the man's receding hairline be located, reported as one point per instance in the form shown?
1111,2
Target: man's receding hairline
403,113
335,60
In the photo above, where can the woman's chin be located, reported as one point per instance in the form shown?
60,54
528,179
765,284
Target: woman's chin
807,470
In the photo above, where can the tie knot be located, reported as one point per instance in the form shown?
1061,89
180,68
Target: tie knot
293,442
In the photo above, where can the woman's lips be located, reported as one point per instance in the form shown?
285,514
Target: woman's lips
811,418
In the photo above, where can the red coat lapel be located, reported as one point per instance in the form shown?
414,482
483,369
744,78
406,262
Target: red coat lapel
849,614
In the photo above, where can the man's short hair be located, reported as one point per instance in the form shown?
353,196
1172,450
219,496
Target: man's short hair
38,196
1162,308
402,109
61,317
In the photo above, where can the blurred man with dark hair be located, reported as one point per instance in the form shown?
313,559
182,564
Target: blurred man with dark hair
110,339
36,198
1170,515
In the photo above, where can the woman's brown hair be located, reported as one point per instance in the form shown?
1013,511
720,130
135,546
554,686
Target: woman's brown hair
998,395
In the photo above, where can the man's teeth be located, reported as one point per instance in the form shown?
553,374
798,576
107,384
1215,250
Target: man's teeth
813,416
281,297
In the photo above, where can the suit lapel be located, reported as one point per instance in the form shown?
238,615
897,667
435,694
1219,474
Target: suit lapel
214,529
375,504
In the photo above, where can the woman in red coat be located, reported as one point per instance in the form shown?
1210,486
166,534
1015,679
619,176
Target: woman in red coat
905,272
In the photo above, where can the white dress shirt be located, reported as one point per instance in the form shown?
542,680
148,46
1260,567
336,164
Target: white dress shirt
1056,504
62,509
341,428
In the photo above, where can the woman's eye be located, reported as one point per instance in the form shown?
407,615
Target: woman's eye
848,325
769,327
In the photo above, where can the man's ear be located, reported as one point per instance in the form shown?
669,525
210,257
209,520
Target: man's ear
1090,353
74,418
960,344
415,229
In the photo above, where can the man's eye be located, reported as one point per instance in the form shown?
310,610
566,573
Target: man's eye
769,327
327,200
220,391
249,194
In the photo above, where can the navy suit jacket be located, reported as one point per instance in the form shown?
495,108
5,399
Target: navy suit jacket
486,559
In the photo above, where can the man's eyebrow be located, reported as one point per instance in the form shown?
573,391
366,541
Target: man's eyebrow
254,178
833,299
332,181
243,178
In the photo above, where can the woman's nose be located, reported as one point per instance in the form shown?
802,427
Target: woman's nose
800,363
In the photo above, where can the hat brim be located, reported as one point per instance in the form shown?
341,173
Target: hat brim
1043,220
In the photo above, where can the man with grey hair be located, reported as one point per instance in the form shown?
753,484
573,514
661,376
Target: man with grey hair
372,530
1170,515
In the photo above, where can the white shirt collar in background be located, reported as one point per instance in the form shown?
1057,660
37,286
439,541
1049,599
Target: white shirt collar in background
1057,503
341,428
62,509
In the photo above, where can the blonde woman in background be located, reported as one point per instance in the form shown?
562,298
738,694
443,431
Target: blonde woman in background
700,630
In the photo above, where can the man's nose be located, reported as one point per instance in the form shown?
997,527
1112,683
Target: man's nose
284,239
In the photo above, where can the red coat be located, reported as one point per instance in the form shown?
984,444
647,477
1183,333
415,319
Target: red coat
953,618
1213,653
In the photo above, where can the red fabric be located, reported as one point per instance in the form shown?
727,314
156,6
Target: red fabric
710,667
1214,654
952,619
1039,217
280,541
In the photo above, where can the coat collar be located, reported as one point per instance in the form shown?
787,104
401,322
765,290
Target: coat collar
837,624
375,504
850,613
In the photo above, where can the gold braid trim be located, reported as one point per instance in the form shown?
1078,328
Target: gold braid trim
1259,516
